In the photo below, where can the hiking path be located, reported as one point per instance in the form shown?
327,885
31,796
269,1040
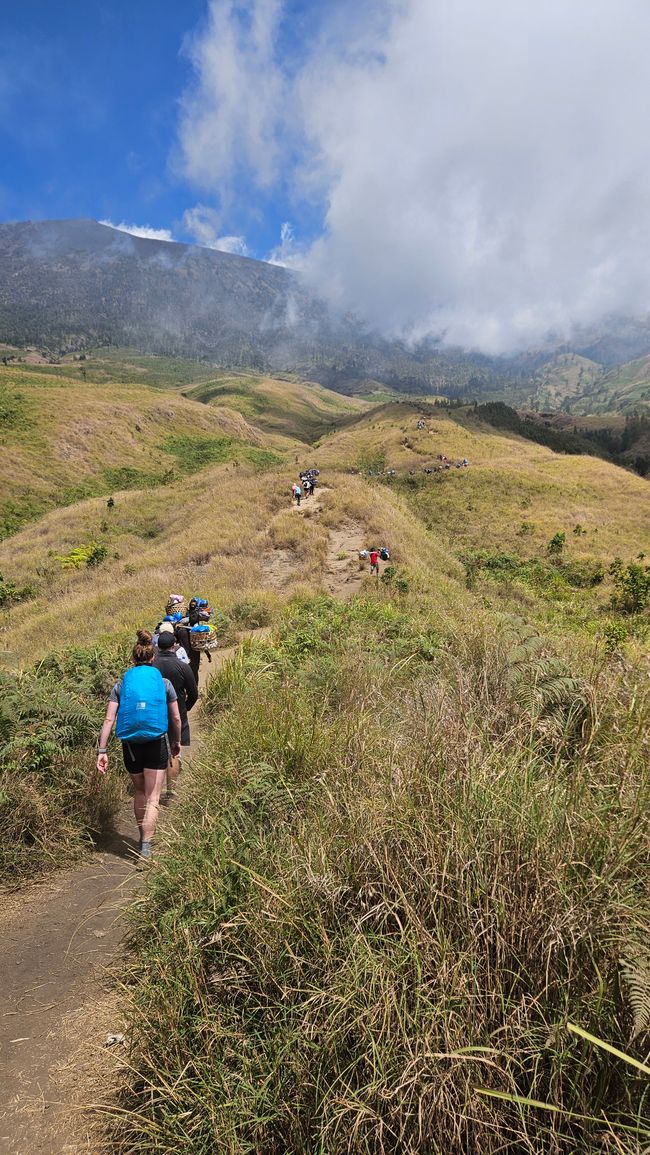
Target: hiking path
61,946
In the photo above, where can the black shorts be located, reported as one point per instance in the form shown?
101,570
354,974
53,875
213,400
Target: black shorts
139,756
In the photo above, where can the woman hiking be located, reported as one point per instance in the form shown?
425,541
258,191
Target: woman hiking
146,707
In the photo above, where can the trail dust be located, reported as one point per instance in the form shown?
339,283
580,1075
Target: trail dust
61,949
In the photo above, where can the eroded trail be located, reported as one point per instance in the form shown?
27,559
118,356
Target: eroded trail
60,952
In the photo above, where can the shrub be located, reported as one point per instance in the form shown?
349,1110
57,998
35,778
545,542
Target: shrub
50,797
557,544
90,554
252,613
631,586
615,635
583,574
10,593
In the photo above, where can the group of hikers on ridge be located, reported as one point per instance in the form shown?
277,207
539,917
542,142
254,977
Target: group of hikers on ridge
305,486
150,705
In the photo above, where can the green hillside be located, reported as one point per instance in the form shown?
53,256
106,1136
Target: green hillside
122,421
412,847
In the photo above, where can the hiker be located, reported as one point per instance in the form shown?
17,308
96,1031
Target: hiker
307,486
297,493
149,727
196,612
182,679
374,560
169,627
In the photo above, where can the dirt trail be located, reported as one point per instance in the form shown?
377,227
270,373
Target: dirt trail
343,575
60,952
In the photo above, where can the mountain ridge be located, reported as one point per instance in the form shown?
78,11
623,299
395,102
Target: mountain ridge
71,285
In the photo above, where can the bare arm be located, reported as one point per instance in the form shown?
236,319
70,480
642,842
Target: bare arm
102,759
175,726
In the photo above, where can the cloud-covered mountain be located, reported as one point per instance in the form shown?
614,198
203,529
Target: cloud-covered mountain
70,285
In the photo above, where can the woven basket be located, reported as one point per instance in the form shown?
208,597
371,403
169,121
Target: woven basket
176,607
203,640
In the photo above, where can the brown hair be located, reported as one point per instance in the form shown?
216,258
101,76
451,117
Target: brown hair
143,649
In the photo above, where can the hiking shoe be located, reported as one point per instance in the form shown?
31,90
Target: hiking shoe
168,797
145,855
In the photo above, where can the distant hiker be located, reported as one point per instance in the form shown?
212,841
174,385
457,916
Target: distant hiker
297,493
374,560
307,486
149,727
184,683
110,503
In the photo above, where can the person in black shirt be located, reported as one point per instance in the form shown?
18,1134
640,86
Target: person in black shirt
182,679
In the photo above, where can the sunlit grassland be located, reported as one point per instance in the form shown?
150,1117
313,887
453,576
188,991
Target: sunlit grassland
210,533
65,440
509,481
202,534
294,408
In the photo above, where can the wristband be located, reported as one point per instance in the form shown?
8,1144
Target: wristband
100,751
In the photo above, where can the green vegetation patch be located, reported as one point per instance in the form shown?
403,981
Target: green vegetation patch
543,575
195,451
11,593
51,798
19,511
14,411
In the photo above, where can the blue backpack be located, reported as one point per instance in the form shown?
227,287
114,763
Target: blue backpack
142,712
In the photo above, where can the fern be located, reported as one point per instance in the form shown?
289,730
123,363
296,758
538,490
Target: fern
540,682
635,971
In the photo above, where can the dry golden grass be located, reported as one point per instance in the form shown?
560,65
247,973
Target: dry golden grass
283,406
509,481
213,533
210,535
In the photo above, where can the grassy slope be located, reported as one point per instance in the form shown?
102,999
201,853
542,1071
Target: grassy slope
383,872
625,388
64,439
210,529
564,378
413,866
509,481
282,406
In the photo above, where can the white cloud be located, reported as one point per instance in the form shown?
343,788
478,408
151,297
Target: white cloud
204,225
231,244
230,116
141,231
482,167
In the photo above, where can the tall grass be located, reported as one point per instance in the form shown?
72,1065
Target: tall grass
51,797
398,875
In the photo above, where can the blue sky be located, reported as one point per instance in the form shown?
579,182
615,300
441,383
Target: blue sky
476,171
90,95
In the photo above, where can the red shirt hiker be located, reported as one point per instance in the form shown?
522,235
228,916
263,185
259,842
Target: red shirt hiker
374,561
